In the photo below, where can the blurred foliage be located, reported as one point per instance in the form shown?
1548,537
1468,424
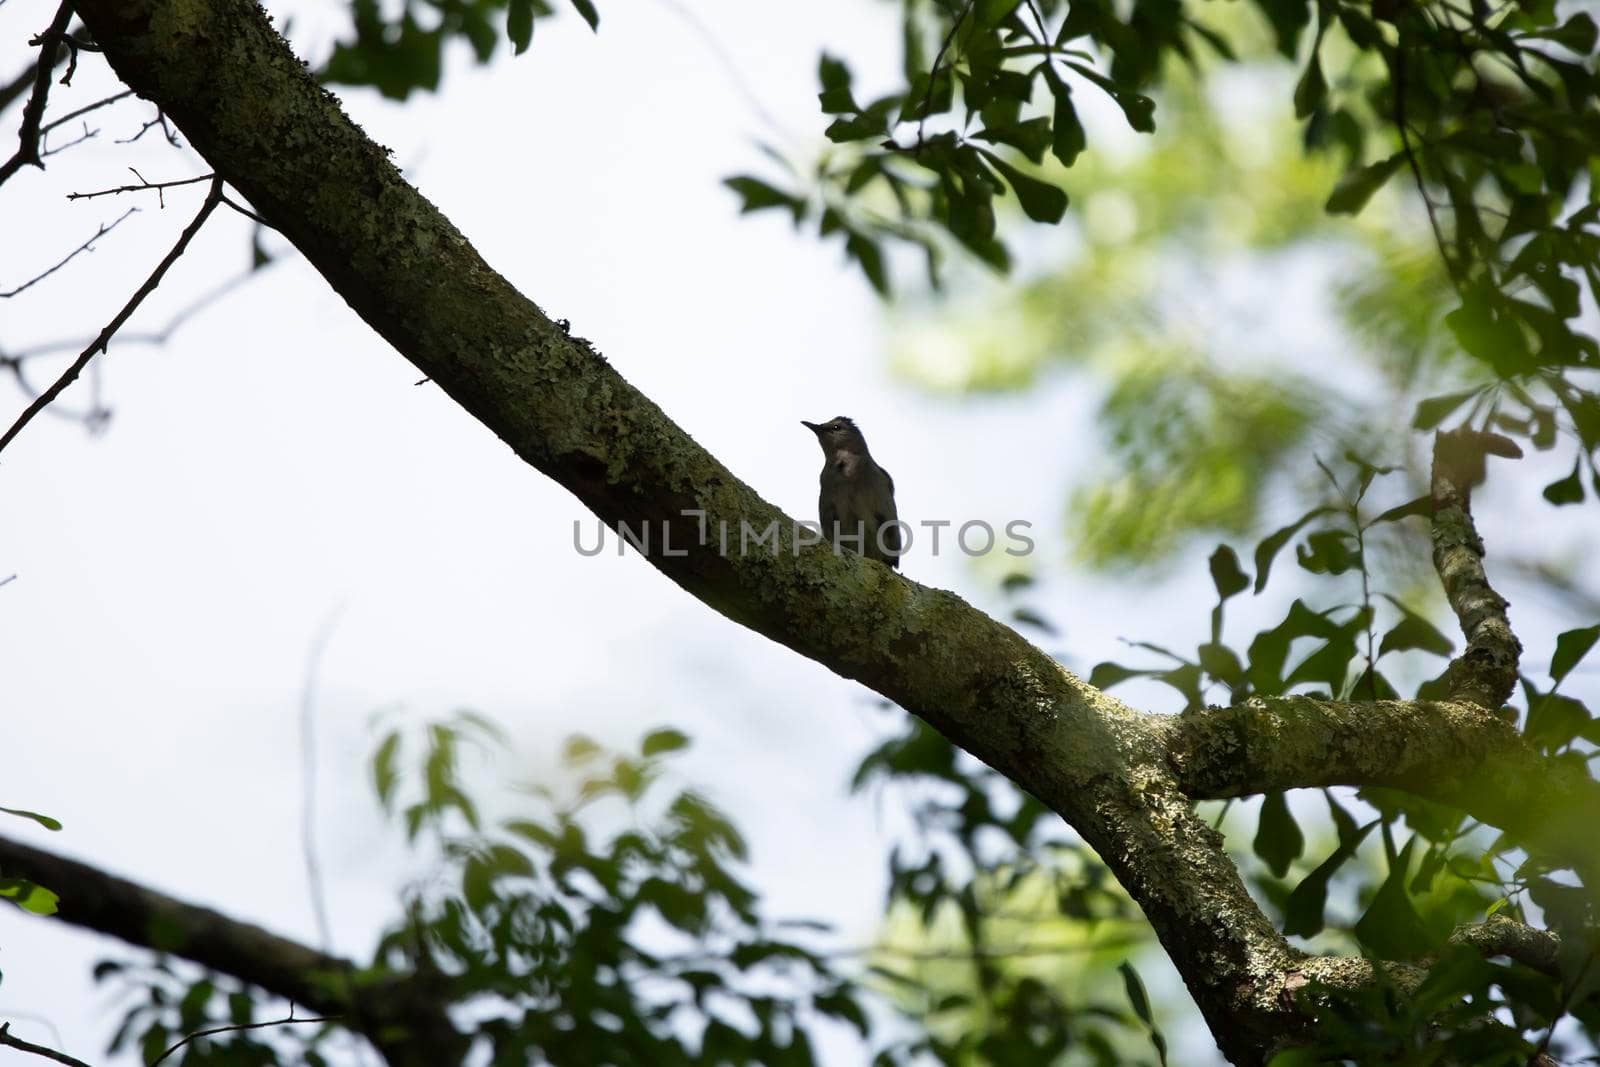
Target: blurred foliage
1490,112
27,895
1003,932
399,49
611,924
1278,121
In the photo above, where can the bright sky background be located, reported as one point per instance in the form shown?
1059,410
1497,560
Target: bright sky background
275,464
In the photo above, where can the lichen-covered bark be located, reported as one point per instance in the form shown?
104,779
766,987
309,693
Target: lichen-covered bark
1486,671
1456,753
1123,779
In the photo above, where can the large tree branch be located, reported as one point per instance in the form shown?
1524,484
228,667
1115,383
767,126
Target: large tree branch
1486,671
403,1016
1455,753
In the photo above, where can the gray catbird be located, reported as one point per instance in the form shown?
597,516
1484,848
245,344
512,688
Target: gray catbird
857,495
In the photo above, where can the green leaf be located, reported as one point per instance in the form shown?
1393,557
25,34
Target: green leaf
1421,507
1278,838
384,774
1568,490
43,820
1289,18
1413,631
1302,914
835,97
1571,647
1067,137
757,195
842,131
590,15
1391,928
1434,410
1274,542
29,896
866,252
842,1006
1577,34
1352,191
1031,138
1226,575
1329,552
1041,201
1554,720
1137,997
1311,90
1107,674
519,25
579,749
1219,661
1140,1001
666,739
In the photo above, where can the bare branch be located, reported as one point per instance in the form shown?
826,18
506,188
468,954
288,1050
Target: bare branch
166,131
27,152
1486,671
213,198
69,116
236,1027
143,186
6,1038
402,1015
86,246
156,337
86,135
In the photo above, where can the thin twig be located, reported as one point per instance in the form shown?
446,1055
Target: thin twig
8,579
158,337
143,186
1538,1058
6,1038
74,45
736,77
86,246
69,116
166,131
213,198
33,111
308,771
242,1026
247,213
87,135
933,71
1416,167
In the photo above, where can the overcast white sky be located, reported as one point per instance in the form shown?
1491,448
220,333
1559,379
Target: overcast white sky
274,462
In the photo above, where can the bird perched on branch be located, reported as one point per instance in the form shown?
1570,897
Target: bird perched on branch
857,503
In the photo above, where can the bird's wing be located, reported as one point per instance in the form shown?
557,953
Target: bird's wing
828,512
887,513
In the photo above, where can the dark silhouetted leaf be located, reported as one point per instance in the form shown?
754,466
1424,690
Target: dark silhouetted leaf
1278,838
1391,928
1571,647
1351,193
1226,574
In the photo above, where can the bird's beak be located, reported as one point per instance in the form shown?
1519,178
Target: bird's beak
815,428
